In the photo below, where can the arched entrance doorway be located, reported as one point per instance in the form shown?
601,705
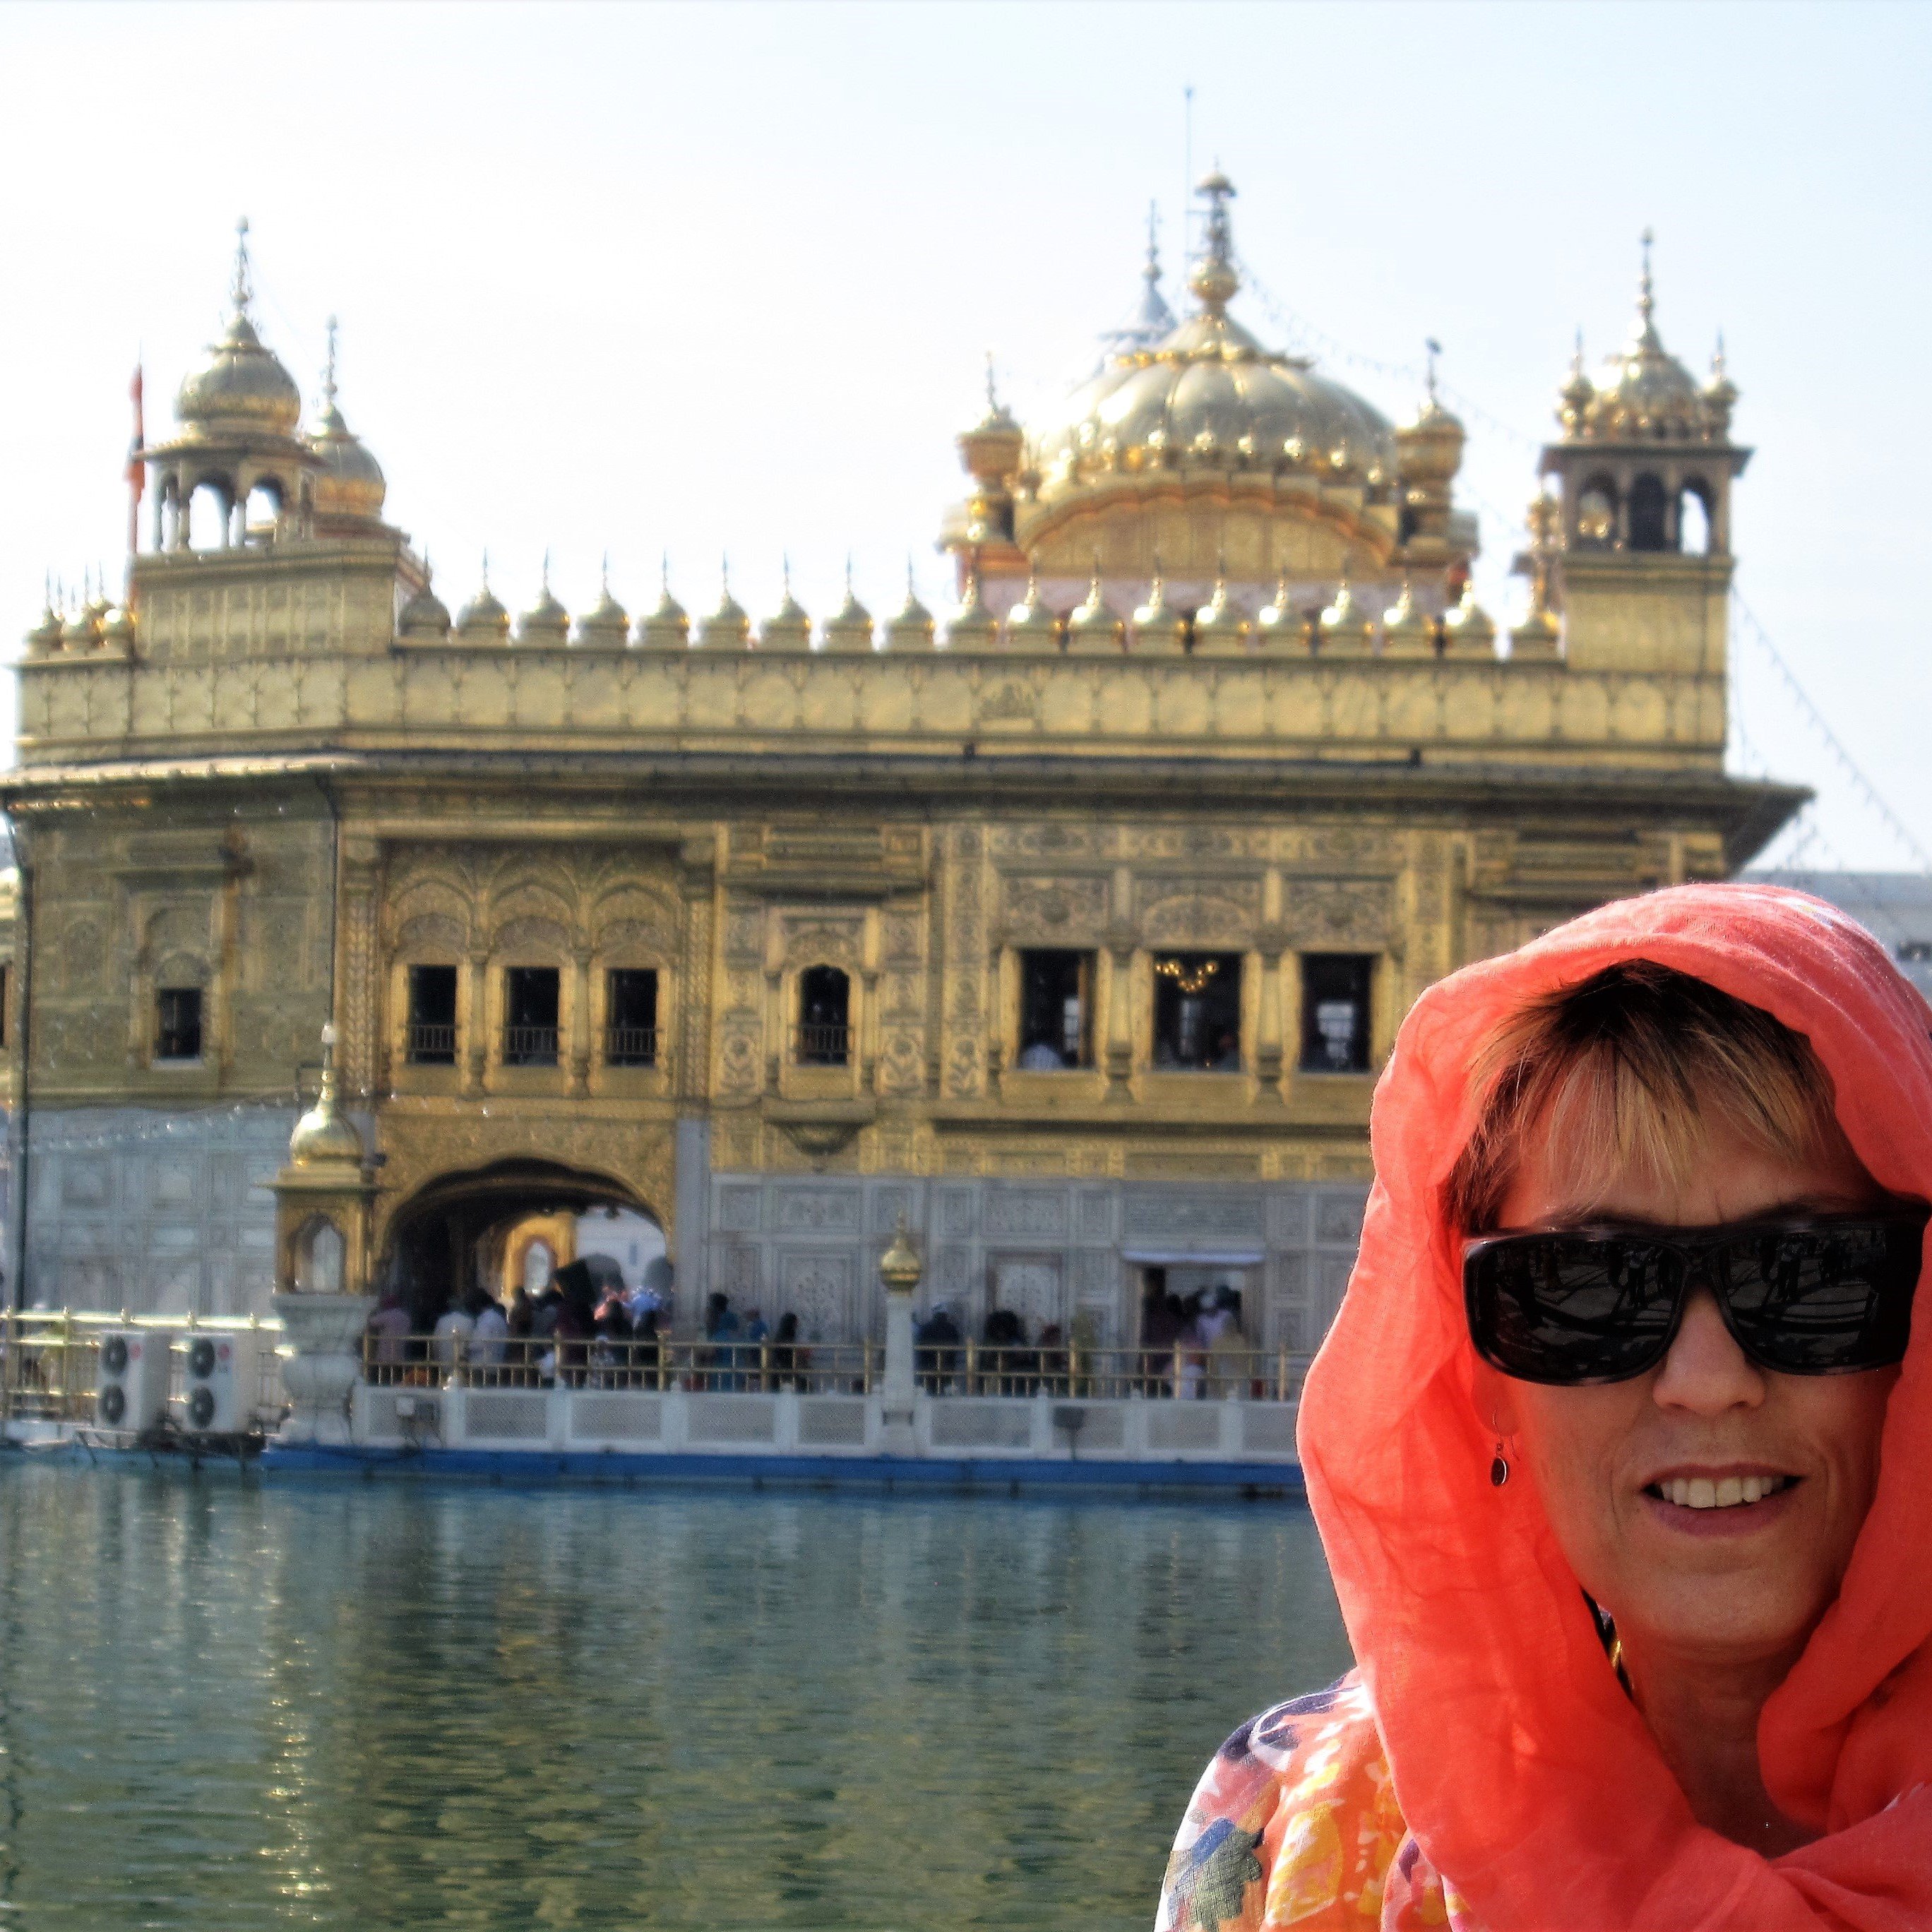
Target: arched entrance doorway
480,1228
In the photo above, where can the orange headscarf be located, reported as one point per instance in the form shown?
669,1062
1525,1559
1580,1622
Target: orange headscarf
1525,1774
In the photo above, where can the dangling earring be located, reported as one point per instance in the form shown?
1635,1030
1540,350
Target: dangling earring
1498,1466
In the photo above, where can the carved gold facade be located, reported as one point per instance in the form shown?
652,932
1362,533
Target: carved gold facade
282,780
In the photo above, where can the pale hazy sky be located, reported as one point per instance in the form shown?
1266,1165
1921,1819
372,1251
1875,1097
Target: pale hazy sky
721,277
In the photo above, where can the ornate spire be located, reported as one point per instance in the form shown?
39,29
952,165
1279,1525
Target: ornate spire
1214,279
242,291
1644,335
328,371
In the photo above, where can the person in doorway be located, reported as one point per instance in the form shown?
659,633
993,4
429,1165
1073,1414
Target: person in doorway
1619,1447
721,1330
1227,1346
448,1337
489,1338
388,1329
785,1353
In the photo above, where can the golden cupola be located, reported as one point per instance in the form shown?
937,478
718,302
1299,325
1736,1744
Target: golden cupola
1094,625
788,628
666,628
850,627
606,625
909,628
972,627
424,618
350,486
1032,624
241,384
1408,630
1220,625
1428,453
1160,627
546,621
727,627
1344,626
484,620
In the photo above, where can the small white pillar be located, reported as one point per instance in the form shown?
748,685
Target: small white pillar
900,1269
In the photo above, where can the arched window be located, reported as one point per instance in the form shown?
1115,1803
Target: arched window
207,514
265,507
824,1017
1649,514
1694,530
318,1257
1596,515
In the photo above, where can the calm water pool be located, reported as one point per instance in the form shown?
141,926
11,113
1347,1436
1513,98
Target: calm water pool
229,1704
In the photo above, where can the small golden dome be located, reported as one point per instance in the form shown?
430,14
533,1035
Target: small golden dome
324,1135
81,631
1428,448
546,621
117,628
1539,634
46,635
667,627
1159,628
483,620
1643,393
1468,628
606,625
1220,626
788,628
351,483
1407,630
424,618
241,386
972,627
1278,625
728,627
1031,625
1345,626
910,627
850,627
1094,625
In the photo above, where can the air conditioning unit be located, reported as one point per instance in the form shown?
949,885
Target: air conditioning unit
130,1389
219,1390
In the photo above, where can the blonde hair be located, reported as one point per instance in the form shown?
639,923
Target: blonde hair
1634,1067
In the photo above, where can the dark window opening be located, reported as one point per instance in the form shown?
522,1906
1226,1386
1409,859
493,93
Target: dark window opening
1197,1011
433,1016
1056,991
1649,514
178,1023
631,1017
824,1017
1335,1012
1911,952
529,1016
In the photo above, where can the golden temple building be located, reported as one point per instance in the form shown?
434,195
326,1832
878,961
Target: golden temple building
1072,923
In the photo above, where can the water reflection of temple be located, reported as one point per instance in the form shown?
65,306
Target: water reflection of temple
1071,925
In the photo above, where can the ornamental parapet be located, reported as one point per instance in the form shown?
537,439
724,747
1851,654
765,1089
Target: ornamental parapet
552,700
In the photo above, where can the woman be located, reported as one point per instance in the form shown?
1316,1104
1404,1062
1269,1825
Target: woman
1621,1459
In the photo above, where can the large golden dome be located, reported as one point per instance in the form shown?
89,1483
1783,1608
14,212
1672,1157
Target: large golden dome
242,386
1208,395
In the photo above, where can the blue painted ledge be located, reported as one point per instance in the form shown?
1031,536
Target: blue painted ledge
886,1473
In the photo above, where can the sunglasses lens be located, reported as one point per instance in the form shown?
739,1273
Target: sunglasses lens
1568,1310
1823,1300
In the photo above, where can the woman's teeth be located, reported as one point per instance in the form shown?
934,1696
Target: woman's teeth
1701,1492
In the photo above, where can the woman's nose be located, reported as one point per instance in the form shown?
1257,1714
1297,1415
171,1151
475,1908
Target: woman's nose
1705,1371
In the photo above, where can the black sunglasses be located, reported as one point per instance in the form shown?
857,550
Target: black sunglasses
1819,1297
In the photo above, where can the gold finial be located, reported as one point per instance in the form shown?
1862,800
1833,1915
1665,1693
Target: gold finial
900,1267
323,1133
242,290
785,569
848,576
1644,300
1214,279
992,390
1434,348
329,368
604,581
1717,359
1150,272
546,573
486,570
